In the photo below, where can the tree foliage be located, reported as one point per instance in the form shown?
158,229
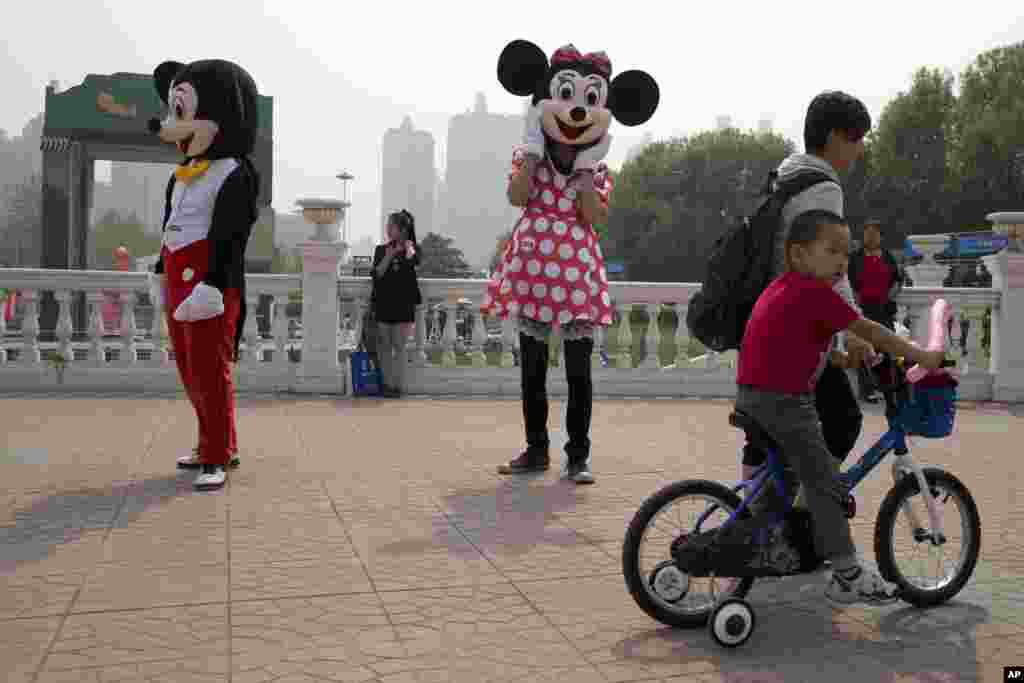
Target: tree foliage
988,154
676,197
937,161
114,230
21,222
439,259
904,178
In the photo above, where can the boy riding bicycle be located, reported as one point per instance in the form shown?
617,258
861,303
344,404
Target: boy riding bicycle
788,332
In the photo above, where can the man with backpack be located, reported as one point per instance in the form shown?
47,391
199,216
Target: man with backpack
750,255
876,278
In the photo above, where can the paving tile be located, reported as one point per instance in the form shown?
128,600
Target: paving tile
138,585
289,541
167,546
521,563
324,575
303,639
23,644
172,644
342,555
38,595
51,552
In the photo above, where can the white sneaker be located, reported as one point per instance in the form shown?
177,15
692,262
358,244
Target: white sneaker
211,477
191,461
865,586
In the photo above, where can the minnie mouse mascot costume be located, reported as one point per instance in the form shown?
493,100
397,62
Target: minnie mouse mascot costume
199,280
552,270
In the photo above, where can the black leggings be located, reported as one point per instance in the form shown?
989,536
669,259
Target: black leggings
534,374
839,412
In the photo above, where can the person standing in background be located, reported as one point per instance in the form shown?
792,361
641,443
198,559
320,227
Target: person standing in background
396,294
876,279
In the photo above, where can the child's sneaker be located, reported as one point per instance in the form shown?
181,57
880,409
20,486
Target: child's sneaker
860,585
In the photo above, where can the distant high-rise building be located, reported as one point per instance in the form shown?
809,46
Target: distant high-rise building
474,210
408,176
723,122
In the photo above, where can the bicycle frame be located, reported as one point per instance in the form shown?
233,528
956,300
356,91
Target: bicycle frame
895,439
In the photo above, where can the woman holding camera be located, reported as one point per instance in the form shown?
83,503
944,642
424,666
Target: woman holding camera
396,294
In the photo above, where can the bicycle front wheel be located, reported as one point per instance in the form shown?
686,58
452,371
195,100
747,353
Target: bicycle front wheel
928,571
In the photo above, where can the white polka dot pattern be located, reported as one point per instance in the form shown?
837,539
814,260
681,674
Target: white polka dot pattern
548,255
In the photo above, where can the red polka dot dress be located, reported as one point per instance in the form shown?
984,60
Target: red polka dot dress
552,270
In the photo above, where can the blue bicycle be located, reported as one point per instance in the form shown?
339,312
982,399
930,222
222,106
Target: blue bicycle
728,548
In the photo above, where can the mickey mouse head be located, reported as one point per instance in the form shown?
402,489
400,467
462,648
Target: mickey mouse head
211,108
575,91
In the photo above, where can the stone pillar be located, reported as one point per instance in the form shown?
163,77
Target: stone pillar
928,273
319,370
1007,268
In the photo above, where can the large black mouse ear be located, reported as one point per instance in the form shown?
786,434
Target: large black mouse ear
163,76
634,97
521,66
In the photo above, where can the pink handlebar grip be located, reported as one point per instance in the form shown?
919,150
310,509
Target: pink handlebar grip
941,313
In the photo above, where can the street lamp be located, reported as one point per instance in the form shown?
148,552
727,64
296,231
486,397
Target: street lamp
344,177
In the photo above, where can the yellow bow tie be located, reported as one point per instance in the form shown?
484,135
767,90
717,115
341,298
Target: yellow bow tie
187,173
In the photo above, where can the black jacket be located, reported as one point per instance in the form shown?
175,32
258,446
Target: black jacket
396,293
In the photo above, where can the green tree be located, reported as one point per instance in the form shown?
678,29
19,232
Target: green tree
114,230
989,135
499,250
439,259
903,179
21,222
673,200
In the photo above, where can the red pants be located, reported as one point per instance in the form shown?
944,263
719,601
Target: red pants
203,351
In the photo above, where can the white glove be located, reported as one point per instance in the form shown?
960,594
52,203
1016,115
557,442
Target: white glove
156,289
588,159
203,303
533,134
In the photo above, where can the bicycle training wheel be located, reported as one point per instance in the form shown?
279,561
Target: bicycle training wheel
928,573
658,586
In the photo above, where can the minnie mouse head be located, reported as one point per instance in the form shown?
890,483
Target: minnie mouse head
211,108
576,92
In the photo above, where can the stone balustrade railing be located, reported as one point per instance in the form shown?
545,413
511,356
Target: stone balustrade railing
648,351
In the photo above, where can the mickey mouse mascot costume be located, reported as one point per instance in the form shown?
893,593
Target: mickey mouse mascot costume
199,279
552,271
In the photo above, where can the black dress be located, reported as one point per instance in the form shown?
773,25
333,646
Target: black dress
396,293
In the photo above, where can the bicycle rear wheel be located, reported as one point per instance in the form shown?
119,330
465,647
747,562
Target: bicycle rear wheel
953,558
658,586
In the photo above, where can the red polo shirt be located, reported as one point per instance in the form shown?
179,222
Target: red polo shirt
790,327
874,281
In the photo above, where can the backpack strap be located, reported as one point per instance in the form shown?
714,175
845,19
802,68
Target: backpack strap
797,183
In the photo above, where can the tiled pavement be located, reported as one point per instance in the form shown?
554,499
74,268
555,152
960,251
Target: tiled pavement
373,541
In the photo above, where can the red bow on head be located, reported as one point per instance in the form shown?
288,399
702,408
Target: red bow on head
569,53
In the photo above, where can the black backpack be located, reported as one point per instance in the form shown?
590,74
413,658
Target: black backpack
740,265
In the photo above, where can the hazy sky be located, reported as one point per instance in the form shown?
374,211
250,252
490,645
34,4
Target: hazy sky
341,73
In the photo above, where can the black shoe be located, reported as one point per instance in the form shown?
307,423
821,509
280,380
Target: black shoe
578,471
391,392
528,461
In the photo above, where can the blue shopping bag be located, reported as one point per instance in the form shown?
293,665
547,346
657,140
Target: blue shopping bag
366,377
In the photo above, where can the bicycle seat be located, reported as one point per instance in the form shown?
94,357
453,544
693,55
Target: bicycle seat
756,434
